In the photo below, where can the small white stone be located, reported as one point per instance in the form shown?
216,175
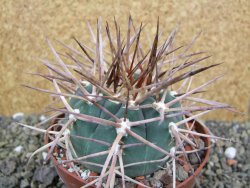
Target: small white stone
18,149
211,163
42,118
71,170
230,152
18,116
85,174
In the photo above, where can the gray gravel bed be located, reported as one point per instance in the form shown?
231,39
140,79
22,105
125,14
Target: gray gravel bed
217,173
18,143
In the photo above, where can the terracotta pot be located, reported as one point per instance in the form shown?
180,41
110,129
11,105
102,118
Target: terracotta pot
72,180
190,181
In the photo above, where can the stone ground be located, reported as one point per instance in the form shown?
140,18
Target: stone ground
18,143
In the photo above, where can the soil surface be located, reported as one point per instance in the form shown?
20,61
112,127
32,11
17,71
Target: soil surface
18,143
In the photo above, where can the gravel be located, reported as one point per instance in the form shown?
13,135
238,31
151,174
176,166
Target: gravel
223,172
17,144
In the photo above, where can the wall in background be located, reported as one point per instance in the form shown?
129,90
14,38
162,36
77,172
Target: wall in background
25,24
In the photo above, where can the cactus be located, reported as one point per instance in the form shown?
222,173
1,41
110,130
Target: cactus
154,132
121,112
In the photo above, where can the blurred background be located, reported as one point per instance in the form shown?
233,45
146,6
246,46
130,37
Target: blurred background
25,24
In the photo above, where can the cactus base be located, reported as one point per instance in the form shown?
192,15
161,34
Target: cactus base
72,180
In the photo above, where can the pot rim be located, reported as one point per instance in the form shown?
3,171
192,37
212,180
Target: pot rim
207,141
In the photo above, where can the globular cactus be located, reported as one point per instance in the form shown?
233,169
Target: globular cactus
123,113
156,132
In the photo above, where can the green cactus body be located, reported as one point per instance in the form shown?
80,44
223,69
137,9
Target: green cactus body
155,132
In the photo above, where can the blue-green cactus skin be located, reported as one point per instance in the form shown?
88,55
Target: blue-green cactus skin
153,132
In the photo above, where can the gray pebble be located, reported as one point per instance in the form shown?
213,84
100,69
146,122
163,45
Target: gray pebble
210,173
45,175
18,116
181,174
246,167
158,175
8,182
219,171
193,158
24,183
8,166
155,183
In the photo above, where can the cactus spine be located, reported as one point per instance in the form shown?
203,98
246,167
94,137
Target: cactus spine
120,109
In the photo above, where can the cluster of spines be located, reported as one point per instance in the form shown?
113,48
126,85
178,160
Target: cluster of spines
130,78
